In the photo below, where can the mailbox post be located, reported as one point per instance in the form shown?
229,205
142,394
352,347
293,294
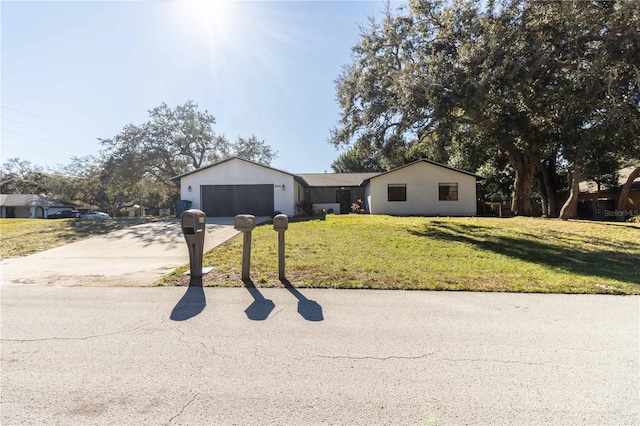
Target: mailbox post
280,224
245,224
193,224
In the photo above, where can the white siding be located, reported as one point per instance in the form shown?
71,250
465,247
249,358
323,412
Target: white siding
239,172
422,180
367,198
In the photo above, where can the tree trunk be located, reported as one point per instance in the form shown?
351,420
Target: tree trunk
626,189
551,206
545,203
570,208
525,173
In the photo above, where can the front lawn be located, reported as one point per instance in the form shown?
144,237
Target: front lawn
474,254
21,237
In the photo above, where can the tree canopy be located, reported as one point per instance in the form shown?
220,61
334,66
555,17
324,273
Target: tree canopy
137,163
21,177
540,84
174,141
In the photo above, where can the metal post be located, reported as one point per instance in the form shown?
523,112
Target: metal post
280,224
246,255
281,255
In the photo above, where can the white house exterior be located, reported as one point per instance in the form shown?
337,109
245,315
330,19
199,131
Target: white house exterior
234,186
422,188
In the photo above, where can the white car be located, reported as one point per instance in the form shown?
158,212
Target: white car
95,215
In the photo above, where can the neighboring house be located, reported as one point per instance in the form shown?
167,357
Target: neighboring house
30,206
234,186
133,210
601,203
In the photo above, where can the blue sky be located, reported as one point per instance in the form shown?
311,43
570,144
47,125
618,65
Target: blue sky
75,71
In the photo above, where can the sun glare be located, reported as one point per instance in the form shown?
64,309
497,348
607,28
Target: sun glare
238,41
211,17
207,11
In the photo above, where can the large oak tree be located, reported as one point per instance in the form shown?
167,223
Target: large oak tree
172,142
535,82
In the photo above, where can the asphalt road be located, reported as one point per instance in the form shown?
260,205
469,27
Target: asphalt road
193,356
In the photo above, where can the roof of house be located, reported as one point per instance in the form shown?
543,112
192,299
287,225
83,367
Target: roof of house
132,206
333,179
424,160
32,200
217,163
328,179
591,187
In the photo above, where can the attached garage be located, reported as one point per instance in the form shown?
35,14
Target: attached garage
230,200
236,186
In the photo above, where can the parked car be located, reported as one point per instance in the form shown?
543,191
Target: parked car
95,215
64,214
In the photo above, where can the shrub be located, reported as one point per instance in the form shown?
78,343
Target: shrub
358,207
304,208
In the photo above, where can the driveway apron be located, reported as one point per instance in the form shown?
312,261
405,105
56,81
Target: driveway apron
136,256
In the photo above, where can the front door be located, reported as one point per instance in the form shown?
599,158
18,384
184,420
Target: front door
344,198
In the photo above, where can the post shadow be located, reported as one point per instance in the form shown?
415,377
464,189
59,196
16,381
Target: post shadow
309,309
260,309
192,303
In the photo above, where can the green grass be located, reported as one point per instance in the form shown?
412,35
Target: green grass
473,254
21,237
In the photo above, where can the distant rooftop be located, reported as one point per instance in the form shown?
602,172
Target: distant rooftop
31,200
591,187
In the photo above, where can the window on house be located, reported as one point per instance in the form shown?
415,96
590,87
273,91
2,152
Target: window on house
397,192
448,192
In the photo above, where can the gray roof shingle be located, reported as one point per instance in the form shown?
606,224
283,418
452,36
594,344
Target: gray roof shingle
335,179
31,200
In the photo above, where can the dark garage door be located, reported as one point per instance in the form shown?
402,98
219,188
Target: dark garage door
230,200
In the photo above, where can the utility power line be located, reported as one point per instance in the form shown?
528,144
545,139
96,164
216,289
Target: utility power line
43,129
30,136
31,115
40,118
25,149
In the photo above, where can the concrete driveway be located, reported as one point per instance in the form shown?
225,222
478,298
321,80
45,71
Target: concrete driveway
136,256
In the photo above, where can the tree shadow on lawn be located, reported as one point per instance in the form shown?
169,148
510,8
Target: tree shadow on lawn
607,264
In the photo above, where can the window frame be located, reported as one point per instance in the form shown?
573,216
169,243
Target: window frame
395,186
451,195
